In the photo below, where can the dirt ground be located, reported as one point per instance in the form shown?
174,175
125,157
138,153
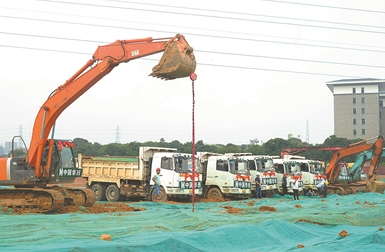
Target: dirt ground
97,208
109,207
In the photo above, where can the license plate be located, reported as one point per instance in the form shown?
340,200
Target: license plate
271,187
190,191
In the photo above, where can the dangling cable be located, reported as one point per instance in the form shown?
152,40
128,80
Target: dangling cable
193,77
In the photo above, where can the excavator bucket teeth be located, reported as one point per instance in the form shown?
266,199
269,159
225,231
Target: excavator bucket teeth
176,62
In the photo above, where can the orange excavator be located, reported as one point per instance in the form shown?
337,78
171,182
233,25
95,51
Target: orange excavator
31,184
371,184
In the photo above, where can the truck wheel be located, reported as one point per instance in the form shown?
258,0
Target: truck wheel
162,197
99,191
214,193
112,193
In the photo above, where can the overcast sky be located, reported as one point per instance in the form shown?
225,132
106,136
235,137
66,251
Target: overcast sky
262,67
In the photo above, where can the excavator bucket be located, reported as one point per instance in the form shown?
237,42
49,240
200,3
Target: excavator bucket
376,185
177,61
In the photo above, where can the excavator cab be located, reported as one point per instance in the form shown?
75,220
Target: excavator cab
60,162
177,61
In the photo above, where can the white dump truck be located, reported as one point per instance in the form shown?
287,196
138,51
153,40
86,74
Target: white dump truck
224,176
115,178
292,169
264,166
310,170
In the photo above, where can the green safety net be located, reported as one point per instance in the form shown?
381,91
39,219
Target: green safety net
271,224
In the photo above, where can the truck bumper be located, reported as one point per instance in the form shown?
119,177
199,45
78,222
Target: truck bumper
181,192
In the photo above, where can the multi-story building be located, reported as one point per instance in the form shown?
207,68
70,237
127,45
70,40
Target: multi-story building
358,107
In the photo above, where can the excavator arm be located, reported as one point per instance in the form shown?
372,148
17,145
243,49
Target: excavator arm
178,61
297,150
333,169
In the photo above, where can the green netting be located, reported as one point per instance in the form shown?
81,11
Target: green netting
312,222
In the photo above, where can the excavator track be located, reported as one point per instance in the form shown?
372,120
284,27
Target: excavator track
346,189
44,200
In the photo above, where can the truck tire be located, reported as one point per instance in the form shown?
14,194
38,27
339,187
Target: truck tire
162,195
112,193
214,193
99,191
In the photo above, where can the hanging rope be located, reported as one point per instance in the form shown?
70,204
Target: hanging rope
193,77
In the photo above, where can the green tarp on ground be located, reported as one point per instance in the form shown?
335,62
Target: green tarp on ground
314,223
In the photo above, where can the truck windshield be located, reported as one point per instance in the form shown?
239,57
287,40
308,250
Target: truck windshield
185,164
265,164
238,166
292,168
316,168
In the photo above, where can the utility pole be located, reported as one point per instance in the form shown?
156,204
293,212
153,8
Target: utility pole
117,140
20,134
307,132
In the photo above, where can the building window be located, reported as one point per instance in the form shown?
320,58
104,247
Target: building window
354,132
354,111
363,132
354,100
363,120
363,100
363,111
362,90
354,121
354,90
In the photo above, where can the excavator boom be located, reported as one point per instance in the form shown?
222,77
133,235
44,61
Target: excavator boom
45,162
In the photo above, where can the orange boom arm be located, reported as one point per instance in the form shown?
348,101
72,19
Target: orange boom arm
177,61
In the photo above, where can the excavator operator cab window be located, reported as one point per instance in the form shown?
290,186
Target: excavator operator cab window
67,160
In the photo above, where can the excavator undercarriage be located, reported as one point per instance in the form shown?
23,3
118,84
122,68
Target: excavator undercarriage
44,200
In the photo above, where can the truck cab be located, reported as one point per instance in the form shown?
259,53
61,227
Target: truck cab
176,175
310,170
224,176
292,169
264,166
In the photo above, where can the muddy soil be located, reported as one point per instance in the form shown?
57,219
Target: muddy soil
97,208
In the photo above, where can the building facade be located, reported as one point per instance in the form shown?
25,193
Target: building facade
358,107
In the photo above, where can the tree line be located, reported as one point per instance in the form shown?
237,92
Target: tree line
271,147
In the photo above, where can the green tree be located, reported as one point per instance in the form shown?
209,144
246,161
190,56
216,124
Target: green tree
274,146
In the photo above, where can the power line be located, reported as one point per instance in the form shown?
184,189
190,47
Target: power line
209,16
214,52
205,64
186,27
325,6
194,34
247,14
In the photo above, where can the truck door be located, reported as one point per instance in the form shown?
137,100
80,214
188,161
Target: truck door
167,173
222,175
305,171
